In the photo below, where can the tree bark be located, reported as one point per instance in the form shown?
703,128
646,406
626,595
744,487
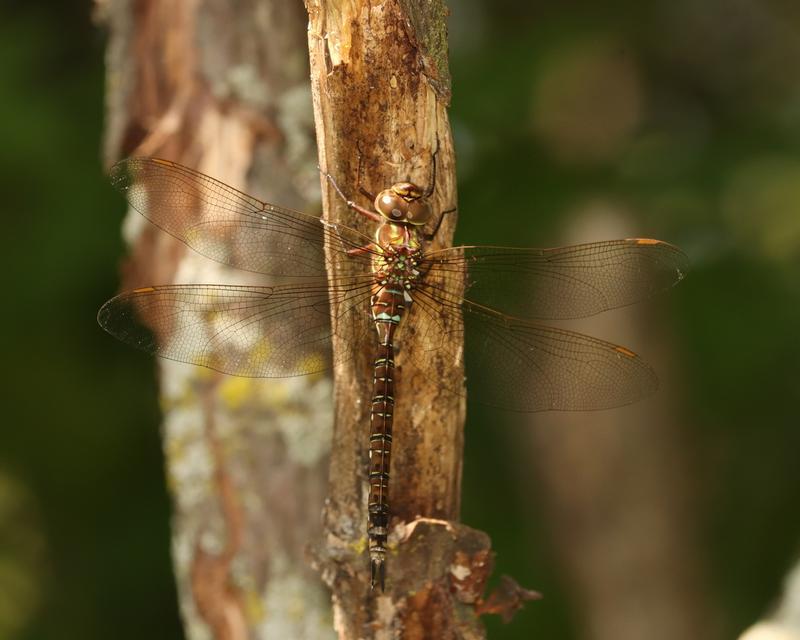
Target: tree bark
381,87
222,87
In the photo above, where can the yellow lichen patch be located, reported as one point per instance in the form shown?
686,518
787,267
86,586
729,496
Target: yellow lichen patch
207,371
234,391
253,607
272,394
260,353
310,363
320,373
360,545
193,236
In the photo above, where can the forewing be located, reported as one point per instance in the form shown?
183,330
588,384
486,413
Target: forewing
246,331
227,225
566,282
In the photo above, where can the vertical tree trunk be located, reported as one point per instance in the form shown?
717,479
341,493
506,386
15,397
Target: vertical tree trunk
223,87
381,87
617,488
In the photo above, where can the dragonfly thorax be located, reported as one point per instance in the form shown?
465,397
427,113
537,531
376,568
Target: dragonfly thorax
402,203
398,267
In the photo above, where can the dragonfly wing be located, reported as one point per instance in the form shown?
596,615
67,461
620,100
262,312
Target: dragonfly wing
566,282
247,331
523,366
227,225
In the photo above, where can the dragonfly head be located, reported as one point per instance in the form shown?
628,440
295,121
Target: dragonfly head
402,202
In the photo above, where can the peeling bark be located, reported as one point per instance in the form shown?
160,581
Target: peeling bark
380,84
223,88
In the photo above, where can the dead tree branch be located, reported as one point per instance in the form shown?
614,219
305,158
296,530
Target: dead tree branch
381,87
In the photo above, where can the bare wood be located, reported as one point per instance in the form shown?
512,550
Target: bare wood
222,88
380,84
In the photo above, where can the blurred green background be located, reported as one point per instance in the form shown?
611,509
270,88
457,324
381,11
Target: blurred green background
685,115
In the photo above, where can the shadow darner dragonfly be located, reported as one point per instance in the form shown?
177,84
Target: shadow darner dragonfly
286,329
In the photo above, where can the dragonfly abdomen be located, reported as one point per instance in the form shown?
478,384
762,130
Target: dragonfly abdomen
380,453
388,307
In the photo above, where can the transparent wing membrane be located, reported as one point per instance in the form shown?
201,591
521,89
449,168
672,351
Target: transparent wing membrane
227,225
246,331
567,282
286,330
523,366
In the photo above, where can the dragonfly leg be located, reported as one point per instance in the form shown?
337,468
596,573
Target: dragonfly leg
429,190
430,236
366,193
360,251
371,215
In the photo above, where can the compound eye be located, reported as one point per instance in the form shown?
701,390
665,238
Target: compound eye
391,205
419,212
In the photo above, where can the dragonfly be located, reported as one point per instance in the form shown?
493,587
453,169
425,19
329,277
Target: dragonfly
397,278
